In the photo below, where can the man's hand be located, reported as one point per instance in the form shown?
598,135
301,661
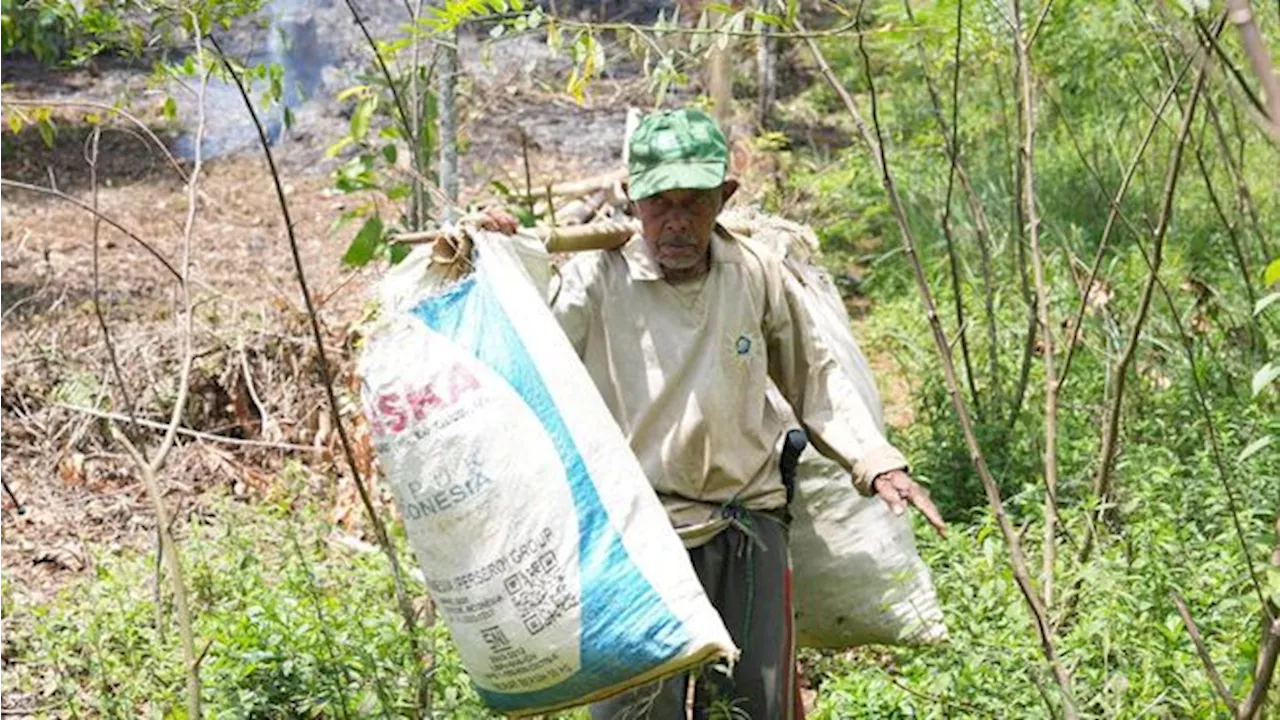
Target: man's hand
497,220
897,489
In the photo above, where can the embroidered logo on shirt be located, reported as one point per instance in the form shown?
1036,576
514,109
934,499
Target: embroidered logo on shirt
743,345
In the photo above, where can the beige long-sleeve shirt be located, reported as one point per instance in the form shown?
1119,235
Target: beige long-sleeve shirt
684,368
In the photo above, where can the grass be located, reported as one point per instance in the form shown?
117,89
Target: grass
296,626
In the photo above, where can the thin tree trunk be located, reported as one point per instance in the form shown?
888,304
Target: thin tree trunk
448,104
1042,303
1241,15
766,72
418,195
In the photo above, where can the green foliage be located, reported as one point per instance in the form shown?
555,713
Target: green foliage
72,32
296,626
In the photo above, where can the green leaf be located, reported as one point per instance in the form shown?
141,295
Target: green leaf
15,123
46,132
1265,376
170,108
1255,447
353,90
1272,275
399,192
364,246
361,117
397,252
767,19
1265,303
389,152
555,41
333,150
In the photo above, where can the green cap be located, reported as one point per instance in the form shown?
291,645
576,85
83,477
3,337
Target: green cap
676,150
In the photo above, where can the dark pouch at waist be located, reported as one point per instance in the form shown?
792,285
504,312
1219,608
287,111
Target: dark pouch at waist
792,446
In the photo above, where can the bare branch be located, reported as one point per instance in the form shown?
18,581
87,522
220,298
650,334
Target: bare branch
92,157
1215,447
1237,248
1021,576
151,468
410,131
1264,670
1263,675
1229,67
1102,481
950,141
1035,30
1112,214
173,562
1235,167
5,182
188,432
1209,668
418,202
1236,86
1241,15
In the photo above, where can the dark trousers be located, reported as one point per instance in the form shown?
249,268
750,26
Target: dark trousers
746,572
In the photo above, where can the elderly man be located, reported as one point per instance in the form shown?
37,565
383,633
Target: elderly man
681,330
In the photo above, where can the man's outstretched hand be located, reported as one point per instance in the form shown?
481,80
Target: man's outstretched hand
897,489
497,220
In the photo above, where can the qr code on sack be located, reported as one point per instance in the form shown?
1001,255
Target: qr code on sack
539,593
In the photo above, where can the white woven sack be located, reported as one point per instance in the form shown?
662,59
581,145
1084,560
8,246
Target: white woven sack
543,545
858,579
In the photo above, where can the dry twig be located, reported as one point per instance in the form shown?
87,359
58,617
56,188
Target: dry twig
188,432
53,192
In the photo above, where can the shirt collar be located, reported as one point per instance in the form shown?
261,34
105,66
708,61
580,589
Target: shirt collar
643,266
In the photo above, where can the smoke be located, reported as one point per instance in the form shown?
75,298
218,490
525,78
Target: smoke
292,43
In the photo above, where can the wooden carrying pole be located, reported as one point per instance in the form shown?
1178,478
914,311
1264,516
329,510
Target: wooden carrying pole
570,238
607,235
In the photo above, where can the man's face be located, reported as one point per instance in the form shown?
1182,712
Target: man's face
677,225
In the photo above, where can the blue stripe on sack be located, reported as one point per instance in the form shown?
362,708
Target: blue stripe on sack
626,627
